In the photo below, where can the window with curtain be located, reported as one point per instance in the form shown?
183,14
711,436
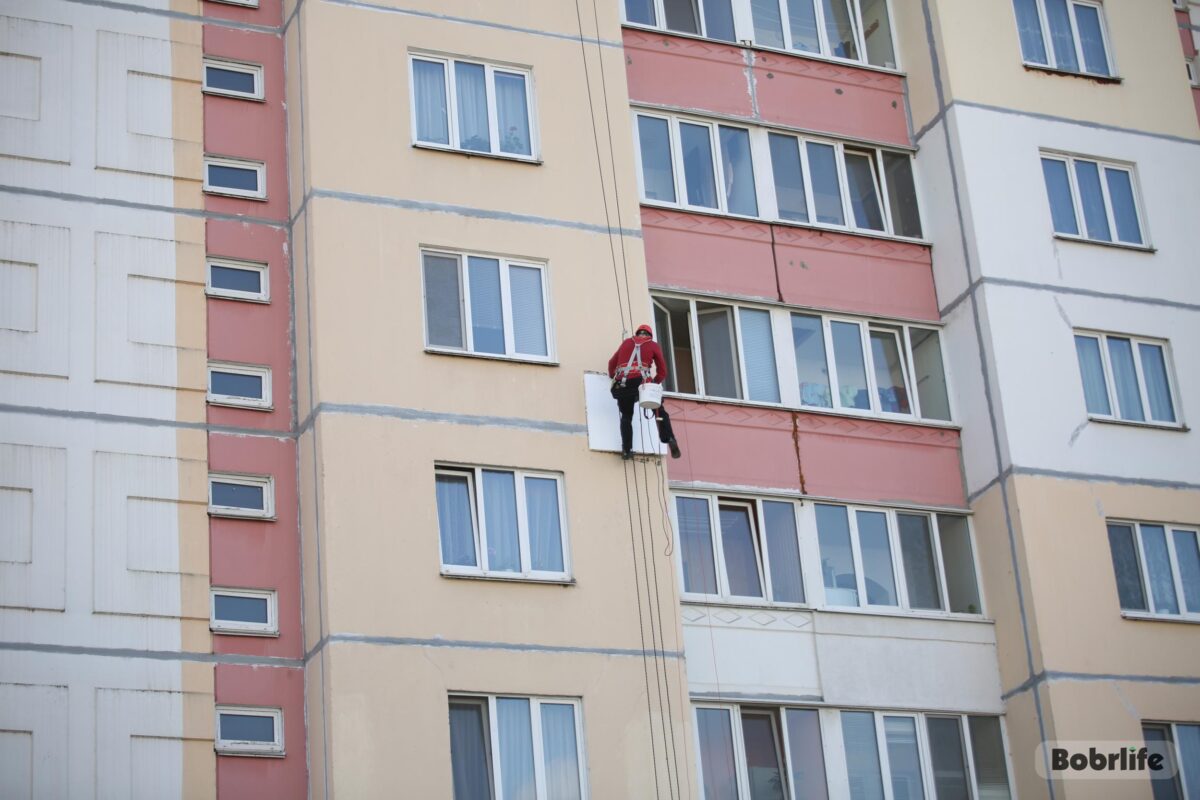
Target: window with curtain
501,523
1092,200
1069,35
748,549
704,165
1157,568
530,735
486,305
826,28
1126,378
472,106
900,559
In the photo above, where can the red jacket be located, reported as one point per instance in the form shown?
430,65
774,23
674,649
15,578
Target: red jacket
651,354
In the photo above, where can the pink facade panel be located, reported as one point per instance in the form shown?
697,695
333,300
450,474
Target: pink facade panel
832,98
1185,33
249,129
268,12
819,269
259,554
253,333
243,778
821,455
687,73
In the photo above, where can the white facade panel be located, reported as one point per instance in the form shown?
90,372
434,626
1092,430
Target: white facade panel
604,420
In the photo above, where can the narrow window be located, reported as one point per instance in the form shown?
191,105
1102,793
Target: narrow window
904,758
862,753
718,20
239,385
787,584
812,368
1058,186
696,545
233,79
839,27
806,753
738,170
930,373
851,367
470,748
443,301
920,561
1029,28
768,23
1187,738
718,351
241,496
658,174
1159,569
1127,567
431,109
758,348
695,142
681,16
875,549
760,741
789,177
958,559
246,731
902,191
640,12
718,771
987,750
863,182
946,754
877,31
803,26
837,557
672,318
243,611
826,187
739,543
238,280
1091,367
1160,741
891,381
235,177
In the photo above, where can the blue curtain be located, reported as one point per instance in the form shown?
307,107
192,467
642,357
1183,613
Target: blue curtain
1158,389
1129,399
516,749
1058,187
469,752
545,530
1091,368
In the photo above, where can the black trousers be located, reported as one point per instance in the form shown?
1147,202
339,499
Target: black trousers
627,397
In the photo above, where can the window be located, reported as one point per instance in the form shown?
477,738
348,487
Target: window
486,305
241,496
238,280
1157,568
739,548
1069,35
880,558
501,523
235,177
705,166
233,79
1193,71
249,731
1179,744
244,611
848,365
749,752
516,748
1126,378
1092,200
239,385
850,30
473,107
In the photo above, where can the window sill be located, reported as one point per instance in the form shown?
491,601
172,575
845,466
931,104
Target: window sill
1072,73
459,151
1147,617
778,51
822,411
246,754
787,223
259,634
695,600
235,515
1162,426
1139,248
217,93
509,578
437,351
217,295
230,404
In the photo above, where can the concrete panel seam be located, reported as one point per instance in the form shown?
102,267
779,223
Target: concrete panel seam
468,644
180,15
153,655
111,201
1074,290
149,422
1099,478
420,415
1052,676
483,23
756,697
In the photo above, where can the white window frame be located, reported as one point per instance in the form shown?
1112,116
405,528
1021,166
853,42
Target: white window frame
1110,387
263,269
535,721
247,3
265,482
474,475
451,88
236,747
229,65
833,745
1193,71
259,168
789,391
1077,200
743,24
1144,571
464,285
764,176
761,551
233,627
1052,54
236,401
1176,753
897,557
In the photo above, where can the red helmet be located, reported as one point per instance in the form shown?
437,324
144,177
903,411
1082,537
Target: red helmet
643,327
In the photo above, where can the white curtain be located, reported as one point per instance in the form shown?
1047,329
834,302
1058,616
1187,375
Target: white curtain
786,584
429,85
454,520
500,511
758,348
1158,565
545,532
528,310
516,749
468,752
471,86
1120,357
560,752
512,112
487,315
1158,390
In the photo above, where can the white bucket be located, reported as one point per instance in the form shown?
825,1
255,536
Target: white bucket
650,395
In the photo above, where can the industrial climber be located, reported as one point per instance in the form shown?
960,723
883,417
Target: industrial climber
629,368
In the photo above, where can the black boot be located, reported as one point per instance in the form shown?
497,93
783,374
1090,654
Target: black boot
675,451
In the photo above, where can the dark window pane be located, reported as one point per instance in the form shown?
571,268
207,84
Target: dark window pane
239,178
946,753
789,178
443,301
716,754
718,20
959,562
920,571
1125,565
640,11
864,191
931,373
229,80
741,557
1029,26
762,757
695,539
1091,197
851,368
807,754
717,349
827,192
786,583
247,728
681,16
1120,195
987,748
887,359
232,608
877,30
236,495
658,176
1164,785
1058,187
902,195
235,280
470,759
232,384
